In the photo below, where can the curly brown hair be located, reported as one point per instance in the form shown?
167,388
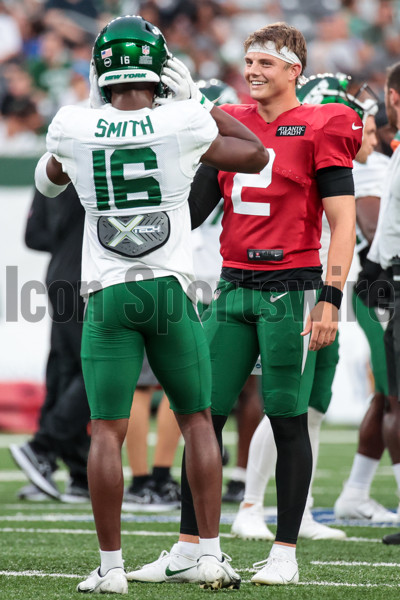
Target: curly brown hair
281,34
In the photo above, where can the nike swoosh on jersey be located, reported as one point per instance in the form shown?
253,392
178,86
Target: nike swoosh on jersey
275,298
170,573
354,126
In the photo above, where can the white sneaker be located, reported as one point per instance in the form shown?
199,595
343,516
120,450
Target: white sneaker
363,509
215,574
312,530
276,570
170,567
113,582
249,524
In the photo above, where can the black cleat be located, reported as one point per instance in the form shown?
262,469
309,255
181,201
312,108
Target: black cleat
36,467
234,491
392,540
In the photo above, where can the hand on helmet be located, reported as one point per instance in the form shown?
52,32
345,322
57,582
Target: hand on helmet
177,78
95,97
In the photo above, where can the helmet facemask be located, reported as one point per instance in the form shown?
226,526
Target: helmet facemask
328,88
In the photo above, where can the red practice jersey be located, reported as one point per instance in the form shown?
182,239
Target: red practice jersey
280,209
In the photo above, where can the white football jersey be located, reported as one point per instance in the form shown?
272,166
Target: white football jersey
386,242
127,163
369,178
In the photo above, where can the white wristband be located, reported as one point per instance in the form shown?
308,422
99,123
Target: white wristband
205,102
42,181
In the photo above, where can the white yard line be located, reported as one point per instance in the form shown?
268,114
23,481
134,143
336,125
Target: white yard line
93,532
39,574
51,518
344,563
350,585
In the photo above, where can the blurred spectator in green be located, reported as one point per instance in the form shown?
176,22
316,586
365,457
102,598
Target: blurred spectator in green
51,72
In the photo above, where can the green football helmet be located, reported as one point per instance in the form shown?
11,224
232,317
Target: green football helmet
328,88
129,49
218,92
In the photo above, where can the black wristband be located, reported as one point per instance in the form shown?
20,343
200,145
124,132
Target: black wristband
331,294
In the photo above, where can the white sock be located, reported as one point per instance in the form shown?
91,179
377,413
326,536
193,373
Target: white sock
261,462
238,474
290,551
188,549
210,546
361,475
110,560
314,420
396,471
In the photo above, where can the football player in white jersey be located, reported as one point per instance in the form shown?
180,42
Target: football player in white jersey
132,166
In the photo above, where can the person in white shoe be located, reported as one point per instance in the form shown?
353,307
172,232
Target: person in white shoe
132,166
271,300
370,301
249,522
385,253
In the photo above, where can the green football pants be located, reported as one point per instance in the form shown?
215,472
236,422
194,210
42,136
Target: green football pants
122,320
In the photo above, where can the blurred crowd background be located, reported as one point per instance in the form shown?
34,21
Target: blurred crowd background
45,47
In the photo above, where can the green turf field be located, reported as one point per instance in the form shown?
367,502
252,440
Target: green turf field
47,547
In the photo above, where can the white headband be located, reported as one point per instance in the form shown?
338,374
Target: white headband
270,48
284,54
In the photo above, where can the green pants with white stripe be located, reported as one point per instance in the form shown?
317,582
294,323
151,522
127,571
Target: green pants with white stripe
243,323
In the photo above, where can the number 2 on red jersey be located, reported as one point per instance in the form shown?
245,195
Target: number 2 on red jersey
255,180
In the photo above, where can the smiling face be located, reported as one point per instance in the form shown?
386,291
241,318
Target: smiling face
269,77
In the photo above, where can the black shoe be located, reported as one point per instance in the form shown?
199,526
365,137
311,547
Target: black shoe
144,495
392,539
234,491
169,491
75,492
147,499
36,467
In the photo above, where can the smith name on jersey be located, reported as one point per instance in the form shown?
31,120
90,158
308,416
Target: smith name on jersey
280,208
131,164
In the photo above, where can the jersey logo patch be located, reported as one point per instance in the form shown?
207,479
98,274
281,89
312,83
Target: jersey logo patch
290,130
134,236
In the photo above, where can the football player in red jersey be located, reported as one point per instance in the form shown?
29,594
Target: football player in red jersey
271,299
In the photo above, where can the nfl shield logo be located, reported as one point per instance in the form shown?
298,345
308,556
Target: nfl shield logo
146,50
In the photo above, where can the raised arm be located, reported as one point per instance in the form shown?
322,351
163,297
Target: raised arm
236,148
